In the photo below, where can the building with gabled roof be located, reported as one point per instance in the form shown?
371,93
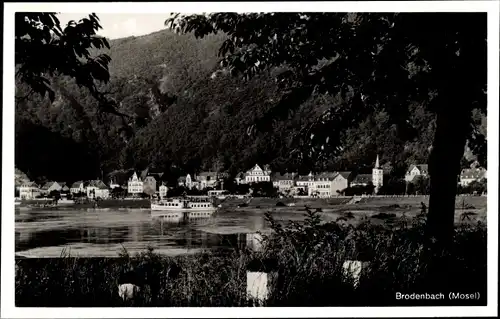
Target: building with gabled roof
256,174
327,184
416,170
304,182
470,175
158,175
163,190
28,190
49,187
77,187
135,185
347,175
284,181
97,189
149,185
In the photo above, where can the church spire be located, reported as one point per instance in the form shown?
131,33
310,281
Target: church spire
377,165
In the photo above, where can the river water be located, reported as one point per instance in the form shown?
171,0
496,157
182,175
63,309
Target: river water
99,233
106,232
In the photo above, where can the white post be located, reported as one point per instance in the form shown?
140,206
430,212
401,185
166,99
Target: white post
128,291
260,285
352,269
254,241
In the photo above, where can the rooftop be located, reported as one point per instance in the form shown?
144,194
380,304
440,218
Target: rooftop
473,173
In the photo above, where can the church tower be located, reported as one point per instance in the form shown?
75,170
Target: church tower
377,176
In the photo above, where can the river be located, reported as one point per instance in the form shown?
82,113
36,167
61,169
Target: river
104,233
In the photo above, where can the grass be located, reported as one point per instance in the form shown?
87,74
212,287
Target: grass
307,257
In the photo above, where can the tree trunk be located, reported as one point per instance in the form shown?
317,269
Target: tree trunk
444,168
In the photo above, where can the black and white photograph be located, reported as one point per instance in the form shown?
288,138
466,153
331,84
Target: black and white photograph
221,159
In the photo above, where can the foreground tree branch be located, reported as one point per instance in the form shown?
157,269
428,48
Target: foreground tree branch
372,62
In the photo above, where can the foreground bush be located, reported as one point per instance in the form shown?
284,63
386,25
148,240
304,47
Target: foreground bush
308,258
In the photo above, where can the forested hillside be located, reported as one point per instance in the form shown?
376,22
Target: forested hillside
188,113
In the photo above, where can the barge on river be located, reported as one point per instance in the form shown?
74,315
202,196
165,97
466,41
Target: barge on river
186,204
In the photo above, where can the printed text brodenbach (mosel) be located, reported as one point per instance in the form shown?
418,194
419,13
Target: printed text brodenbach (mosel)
438,296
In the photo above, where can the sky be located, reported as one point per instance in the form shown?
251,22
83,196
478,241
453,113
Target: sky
121,25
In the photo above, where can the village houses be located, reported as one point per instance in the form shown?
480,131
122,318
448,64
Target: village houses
163,191
135,185
150,172
323,184
77,187
257,174
470,175
416,170
28,190
284,182
49,187
304,182
201,181
327,184
149,185
97,189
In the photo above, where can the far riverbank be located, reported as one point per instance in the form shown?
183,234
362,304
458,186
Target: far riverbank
408,203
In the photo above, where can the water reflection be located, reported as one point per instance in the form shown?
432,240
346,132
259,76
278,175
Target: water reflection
47,232
104,233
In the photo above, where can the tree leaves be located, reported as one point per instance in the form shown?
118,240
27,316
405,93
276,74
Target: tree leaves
193,120
42,48
381,59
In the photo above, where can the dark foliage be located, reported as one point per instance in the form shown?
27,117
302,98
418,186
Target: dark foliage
207,125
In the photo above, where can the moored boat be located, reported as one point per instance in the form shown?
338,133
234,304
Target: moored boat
187,204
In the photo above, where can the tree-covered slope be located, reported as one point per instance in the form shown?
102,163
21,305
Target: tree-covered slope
185,111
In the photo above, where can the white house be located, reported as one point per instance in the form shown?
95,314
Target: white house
257,174
163,191
284,182
340,182
326,184
469,175
51,186
305,182
28,190
77,187
416,170
135,185
97,189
